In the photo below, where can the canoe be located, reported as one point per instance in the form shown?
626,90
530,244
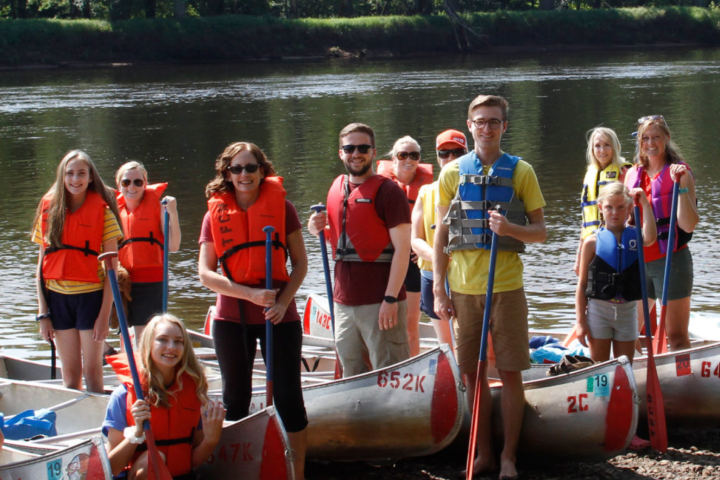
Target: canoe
410,409
254,448
86,460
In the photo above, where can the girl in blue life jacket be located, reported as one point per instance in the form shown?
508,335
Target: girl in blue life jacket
609,277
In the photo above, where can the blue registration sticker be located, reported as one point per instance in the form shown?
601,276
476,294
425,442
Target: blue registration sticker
601,385
54,469
432,368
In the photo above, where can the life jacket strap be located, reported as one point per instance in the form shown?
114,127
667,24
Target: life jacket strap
485,180
86,250
151,239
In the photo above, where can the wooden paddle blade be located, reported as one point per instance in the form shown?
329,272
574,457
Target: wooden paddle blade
660,340
656,408
157,470
475,423
572,336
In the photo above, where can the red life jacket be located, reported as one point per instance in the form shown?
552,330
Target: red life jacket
82,235
423,176
141,253
174,427
239,238
661,201
357,234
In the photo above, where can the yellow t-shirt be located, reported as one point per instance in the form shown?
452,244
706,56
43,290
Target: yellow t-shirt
111,229
469,268
428,195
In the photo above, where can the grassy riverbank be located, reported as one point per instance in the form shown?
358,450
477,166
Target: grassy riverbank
233,38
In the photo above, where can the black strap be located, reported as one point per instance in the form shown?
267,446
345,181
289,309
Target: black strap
86,250
169,442
151,239
258,243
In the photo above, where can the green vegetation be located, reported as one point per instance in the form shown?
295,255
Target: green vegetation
237,37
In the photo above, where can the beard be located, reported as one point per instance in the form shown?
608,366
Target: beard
360,172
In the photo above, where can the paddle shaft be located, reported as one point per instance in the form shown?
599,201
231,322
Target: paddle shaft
661,340
482,362
53,360
166,255
328,283
149,437
268,324
655,401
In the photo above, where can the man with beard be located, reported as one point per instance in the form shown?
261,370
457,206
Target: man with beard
368,224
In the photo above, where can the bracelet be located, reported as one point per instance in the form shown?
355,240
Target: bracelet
129,433
42,316
389,299
683,190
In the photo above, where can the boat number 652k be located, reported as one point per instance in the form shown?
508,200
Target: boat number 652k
408,381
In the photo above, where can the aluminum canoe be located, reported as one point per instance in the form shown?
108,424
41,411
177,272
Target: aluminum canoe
410,409
86,460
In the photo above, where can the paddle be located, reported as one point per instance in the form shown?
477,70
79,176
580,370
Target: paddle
166,255
53,360
268,324
328,284
157,465
482,362
660,338
655,401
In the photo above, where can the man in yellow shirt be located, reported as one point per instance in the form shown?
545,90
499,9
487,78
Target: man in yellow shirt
469,189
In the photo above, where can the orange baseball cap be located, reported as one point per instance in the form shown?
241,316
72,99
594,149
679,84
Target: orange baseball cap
451,139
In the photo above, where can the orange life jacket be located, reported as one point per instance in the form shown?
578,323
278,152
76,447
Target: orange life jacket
357,234
141,253
174,427
423,176
82,235
239,238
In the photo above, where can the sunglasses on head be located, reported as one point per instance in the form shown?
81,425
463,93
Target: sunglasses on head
363,149
647,118
415,156
457,152
125,182
249,168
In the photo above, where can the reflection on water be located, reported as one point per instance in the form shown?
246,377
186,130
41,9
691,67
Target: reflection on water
177,119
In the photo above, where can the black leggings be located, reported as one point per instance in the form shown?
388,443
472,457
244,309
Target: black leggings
236,374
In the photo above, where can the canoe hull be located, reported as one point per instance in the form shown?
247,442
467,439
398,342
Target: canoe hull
87,460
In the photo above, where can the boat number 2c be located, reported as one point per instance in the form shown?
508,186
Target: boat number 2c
397,380
576,404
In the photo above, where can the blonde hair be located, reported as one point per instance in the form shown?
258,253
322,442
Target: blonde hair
153,380
58,197
132,165
221,184
400,141
672,151
612,137
611,190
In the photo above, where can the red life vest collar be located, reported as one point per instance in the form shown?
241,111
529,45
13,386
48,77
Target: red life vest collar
423,176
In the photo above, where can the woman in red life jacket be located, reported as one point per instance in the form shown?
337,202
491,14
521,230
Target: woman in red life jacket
409,174
142,216
176,400
658,166
245,197
75,222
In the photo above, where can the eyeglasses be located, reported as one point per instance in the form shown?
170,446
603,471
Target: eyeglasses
458,152
249,168
415,156
363,149
646,118
494,123
139,182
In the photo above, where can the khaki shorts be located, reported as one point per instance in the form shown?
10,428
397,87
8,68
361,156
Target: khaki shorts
508,330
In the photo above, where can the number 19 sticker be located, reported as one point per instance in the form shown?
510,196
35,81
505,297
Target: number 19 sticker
601,384
54,469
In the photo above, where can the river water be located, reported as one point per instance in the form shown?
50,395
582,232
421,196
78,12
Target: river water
177,119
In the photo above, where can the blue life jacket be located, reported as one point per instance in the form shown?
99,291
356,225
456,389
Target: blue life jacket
615,270
477,194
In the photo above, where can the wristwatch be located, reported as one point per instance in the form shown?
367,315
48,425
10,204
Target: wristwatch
129,433
389,299
42,316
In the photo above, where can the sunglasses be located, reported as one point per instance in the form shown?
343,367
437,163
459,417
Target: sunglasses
647,118
363,149
414,156
125,182
458,152
249,168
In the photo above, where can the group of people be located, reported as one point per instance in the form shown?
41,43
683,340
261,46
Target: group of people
402,244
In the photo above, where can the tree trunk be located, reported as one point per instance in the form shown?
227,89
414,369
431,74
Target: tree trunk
179,8
547,4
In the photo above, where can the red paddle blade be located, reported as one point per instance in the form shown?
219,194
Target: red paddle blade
660,340
656,408
474,425
338,367
157,470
